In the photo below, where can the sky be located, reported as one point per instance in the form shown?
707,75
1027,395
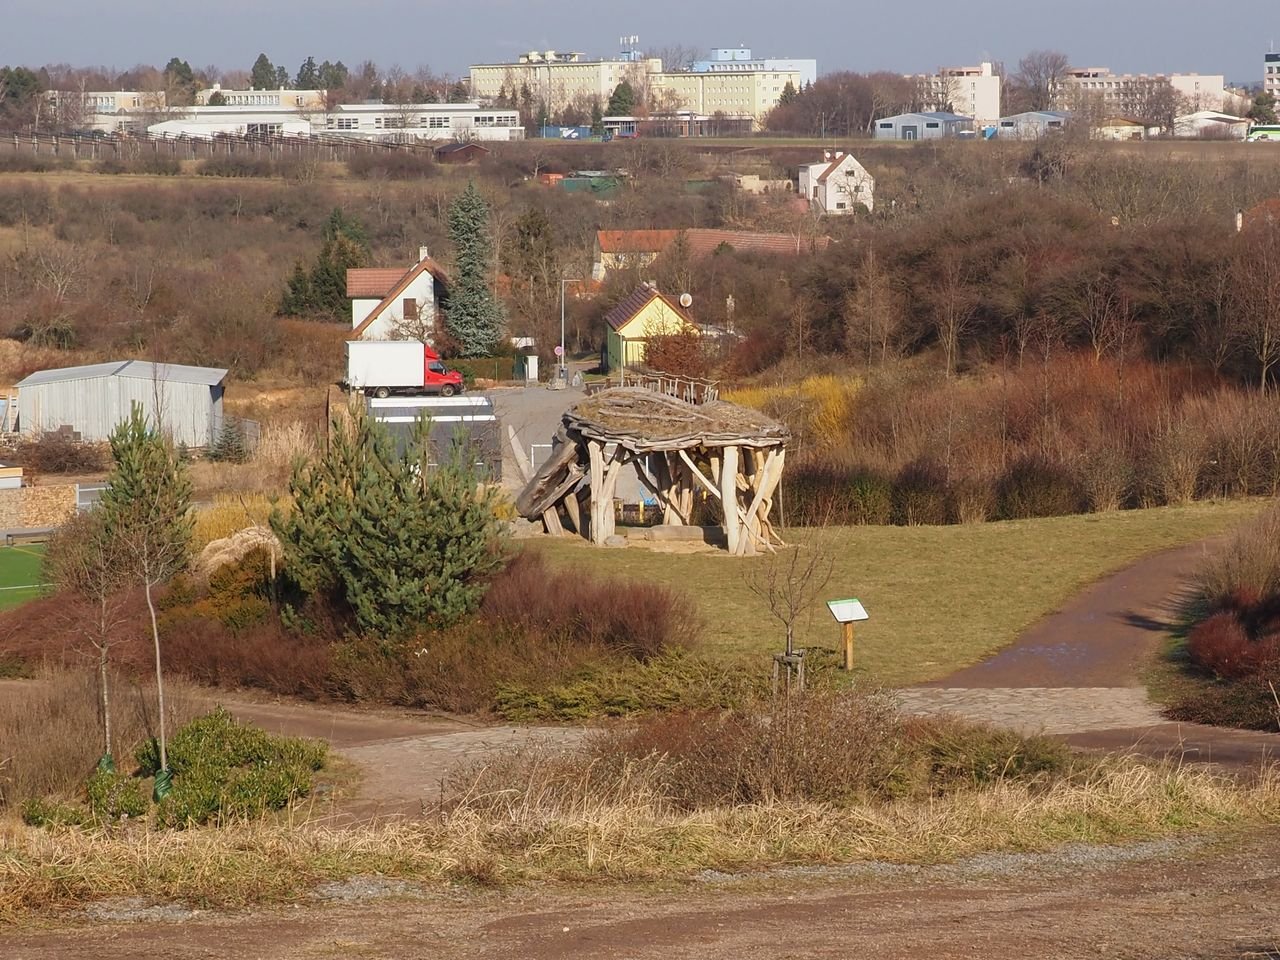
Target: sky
909,36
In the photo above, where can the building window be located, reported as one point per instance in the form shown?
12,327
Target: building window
348,123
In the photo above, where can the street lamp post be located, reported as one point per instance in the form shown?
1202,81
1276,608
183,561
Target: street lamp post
563,355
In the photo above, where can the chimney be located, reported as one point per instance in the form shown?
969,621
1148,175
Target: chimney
423,254
839,154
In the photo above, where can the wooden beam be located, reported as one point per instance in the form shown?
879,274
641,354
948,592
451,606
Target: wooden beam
523,463
729,497
596,455
699,476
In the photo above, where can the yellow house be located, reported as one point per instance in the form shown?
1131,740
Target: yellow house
645,313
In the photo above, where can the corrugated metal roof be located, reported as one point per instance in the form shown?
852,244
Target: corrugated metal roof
88,372
134,369
173,372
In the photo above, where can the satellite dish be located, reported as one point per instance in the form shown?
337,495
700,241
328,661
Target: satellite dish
686,300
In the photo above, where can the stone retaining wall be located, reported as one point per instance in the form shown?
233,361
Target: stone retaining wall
28,507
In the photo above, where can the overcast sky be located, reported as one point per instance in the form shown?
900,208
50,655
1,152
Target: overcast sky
907,35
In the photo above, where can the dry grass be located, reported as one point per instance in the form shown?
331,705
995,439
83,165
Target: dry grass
939,597
267,473
818,409
227,515
604,841
51,731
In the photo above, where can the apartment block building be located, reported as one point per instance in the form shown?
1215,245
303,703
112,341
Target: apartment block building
1271,74
1125,92
730,84
970,91
108,111
367,121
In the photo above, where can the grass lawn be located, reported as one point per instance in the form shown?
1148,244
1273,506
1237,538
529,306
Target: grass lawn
21,577
940,598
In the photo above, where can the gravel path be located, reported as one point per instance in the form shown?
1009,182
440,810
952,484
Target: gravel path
1076,673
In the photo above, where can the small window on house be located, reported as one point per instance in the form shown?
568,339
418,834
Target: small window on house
840,205
886,126
410,308
931,124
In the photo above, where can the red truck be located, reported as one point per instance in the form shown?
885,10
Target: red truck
383,367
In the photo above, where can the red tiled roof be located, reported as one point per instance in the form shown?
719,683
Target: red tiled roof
701,242
407,278
363,282
625,311
635,241
835,164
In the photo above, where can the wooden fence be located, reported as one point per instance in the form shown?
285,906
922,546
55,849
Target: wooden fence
688,389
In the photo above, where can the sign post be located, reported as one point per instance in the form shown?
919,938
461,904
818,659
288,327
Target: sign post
847,613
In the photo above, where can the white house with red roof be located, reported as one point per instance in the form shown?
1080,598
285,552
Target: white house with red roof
395,303
838,185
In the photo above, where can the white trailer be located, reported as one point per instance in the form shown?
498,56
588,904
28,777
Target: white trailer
385,363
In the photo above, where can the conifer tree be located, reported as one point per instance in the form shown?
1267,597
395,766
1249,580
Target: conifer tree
622,102
405,545
323,289
146,511
474,316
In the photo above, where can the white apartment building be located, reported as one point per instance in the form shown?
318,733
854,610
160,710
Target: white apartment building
370,121
109,111
969,91
298,99
1271,74
1120,91
741,88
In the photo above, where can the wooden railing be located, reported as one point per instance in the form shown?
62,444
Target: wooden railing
688,389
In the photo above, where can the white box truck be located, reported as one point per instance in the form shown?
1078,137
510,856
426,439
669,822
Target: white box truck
383,367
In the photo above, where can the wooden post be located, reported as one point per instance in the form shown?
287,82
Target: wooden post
729,497
848,645
595,452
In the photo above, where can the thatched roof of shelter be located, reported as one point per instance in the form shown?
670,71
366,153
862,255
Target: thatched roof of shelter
641,420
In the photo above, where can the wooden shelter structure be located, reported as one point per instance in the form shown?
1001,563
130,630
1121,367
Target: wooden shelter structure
716,451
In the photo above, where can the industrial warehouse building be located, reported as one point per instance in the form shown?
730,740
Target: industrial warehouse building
90,401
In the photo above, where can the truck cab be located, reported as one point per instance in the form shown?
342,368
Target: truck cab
440,379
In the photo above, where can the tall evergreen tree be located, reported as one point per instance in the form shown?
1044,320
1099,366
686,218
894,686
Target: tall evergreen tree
323,289
333,76
262,76
308,77
474,316
622,102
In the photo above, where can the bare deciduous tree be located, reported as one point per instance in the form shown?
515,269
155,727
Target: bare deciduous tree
1035,84
791,581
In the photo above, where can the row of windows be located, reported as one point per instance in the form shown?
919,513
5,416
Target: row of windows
431,121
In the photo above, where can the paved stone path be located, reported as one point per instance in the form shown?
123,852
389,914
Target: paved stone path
1075,674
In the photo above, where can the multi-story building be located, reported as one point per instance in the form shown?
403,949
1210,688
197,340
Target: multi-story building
1128,92
971,91
368,121
109,111
297,99
734,87
1271,74
738,59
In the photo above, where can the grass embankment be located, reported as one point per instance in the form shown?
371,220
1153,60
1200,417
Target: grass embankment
940,598
265,863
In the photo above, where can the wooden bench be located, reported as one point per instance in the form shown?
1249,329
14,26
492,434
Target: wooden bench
27,535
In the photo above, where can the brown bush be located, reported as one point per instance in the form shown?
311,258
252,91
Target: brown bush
1220,645
826,746
636,619
59,452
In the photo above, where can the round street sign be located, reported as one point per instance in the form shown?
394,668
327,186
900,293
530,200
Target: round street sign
559,350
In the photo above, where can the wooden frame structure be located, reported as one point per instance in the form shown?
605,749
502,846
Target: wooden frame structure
717,452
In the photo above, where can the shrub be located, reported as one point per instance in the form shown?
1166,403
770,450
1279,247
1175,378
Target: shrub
1035,487
834,747
1220,646
223,770
230,445
637,619
392,165
150,164
237,165
115,796
59,452
43,812
1106,478
1247,570
870,498
1248,704
920,494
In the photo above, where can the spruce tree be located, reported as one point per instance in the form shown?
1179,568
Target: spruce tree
622,102
474,316
405,545
323,290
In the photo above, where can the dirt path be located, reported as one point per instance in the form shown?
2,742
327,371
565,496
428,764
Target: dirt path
403,756
1076,673
1152,902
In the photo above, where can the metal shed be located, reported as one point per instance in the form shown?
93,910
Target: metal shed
91,400
922,126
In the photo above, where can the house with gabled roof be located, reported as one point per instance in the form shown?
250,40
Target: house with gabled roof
394,303
837,185
645,313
